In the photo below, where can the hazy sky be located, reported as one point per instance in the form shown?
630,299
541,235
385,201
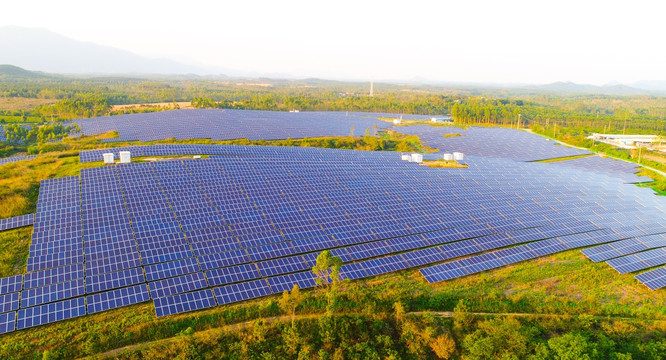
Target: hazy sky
468,41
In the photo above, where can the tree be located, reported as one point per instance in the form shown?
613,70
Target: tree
578,345
327,271
327,268
444,346
416,337
501,338
462,319
290,301
399,312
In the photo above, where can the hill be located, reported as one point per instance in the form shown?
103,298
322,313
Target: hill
41,49
567,87
654,85
15,73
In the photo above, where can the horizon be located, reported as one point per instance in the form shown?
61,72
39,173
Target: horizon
515,45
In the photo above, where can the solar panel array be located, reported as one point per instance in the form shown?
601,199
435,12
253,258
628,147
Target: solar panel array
490,142
13,159
655,279
644,248
228,124
198,233
607,166
388,115
17,222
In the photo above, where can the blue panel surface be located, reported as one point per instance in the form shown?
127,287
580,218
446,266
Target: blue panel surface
44,314
242,291
117,298
181,303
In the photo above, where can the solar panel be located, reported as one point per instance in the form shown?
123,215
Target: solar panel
353,271
232,274
117,298
242,291
44,314
181,303
176,285
51,293
282,266
654,279
385,265
7,322
171,269
9,302
577,240
114,280
16,222
281,283
112,264
515,254
11,284
443,272
13,159
223,259
639,261
424,256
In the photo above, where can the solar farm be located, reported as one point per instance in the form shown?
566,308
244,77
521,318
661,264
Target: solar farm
229,124
250,221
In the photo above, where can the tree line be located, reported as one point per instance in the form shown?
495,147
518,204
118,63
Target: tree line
21,134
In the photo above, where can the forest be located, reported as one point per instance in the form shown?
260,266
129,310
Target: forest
89,97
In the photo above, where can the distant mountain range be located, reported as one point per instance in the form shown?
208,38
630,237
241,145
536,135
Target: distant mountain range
47,53
43,50
573,88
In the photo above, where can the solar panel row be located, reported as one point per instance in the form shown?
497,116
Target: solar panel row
229,124
13,159
654,279
17,222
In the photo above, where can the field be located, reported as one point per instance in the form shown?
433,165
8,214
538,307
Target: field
10,119
22,103
171,105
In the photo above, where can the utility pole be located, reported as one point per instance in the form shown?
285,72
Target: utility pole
372,87
519,115
639,153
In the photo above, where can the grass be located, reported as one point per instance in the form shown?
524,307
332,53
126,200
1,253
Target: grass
19,181
443,164
565,158
12,119
14,254
659,183
165,158
20,103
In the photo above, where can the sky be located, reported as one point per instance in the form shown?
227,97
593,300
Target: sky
508,41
